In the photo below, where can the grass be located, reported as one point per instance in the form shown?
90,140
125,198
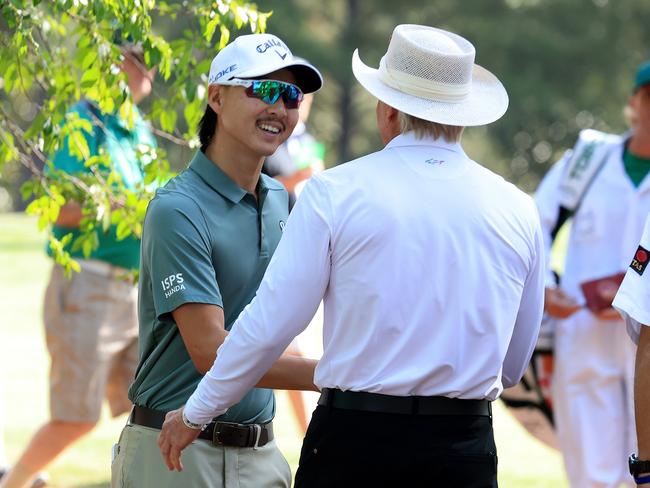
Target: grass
24,268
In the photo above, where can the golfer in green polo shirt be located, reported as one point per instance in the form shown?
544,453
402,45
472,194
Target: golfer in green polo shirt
208,238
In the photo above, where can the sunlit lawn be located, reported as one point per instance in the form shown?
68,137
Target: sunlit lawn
523,462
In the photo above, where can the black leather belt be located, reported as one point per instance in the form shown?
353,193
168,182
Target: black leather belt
413,405
219,433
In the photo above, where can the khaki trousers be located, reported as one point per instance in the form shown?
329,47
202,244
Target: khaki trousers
139,464
91,328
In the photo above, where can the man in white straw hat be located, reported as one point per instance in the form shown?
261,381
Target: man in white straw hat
431,271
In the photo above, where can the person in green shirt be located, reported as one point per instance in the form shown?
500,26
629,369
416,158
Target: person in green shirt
91,319
593,370
208,237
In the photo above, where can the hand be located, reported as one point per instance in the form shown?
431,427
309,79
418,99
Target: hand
558,304
174,437
609,315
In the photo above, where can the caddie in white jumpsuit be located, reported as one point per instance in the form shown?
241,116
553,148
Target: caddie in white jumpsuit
594,357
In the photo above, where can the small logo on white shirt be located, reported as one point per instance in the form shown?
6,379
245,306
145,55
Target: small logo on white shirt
434,161
640,260
172,284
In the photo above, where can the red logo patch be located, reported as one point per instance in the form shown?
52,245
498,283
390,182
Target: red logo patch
640,260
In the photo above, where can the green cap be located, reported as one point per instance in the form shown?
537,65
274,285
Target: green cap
642,75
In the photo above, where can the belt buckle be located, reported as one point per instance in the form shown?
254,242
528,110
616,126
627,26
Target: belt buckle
258,432
253,430
216,432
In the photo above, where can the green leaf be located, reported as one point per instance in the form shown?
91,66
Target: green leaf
123,230
10,76
211,27
225,37
193,114
27,189
87,248
89,59
37,126
90,77
78,145
168,120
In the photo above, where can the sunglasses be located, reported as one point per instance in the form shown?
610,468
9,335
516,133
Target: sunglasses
270,91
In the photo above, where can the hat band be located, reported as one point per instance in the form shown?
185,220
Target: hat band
429,89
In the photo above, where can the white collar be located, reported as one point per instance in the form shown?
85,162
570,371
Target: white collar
409,139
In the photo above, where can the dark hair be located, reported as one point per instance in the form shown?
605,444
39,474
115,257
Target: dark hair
207,127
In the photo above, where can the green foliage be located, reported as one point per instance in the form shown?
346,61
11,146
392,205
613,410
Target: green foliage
55,53
567,65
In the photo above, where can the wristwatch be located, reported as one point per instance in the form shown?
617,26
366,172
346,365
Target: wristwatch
192,425
638,466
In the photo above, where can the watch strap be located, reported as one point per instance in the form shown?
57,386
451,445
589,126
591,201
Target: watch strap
638,466
642,480
190,424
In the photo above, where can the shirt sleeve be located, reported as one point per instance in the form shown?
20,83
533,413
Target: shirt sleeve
529,317
286,301
547,198
633,297
176,253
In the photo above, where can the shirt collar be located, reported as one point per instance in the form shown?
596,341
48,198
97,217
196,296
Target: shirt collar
219,181
409,139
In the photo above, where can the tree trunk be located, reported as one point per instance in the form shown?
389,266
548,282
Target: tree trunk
350,38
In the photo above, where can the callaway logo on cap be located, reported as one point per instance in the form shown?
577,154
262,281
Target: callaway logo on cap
256,55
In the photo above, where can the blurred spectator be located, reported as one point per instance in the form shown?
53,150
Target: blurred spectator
298,158
90,320
594,367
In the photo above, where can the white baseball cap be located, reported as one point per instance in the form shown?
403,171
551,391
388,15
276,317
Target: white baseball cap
257,55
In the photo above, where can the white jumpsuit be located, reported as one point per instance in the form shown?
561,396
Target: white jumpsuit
594,368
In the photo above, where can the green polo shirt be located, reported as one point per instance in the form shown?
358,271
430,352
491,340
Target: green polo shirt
205,240
120,143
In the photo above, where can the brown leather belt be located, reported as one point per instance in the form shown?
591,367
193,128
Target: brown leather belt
412,405
219,433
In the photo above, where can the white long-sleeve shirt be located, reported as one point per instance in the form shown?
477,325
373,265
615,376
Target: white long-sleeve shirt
431,271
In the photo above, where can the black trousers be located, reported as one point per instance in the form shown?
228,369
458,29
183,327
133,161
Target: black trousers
349,448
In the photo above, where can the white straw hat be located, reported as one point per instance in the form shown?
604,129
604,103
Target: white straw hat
430,73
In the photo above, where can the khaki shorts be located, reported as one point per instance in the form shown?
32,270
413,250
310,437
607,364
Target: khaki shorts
137,463
91,329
